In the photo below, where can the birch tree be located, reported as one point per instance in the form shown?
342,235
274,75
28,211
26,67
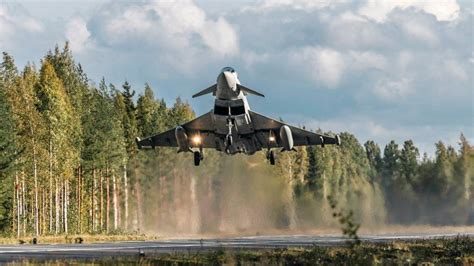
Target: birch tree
57,111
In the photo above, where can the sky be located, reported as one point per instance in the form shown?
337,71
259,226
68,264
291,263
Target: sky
382,70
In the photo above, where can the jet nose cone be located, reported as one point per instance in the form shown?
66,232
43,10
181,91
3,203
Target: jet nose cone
228,79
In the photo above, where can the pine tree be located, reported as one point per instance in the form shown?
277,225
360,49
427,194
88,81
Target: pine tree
465,166
390,177
148,110
391,163
374,156
465,171
126,107
8,71
408,161
443,171
180,113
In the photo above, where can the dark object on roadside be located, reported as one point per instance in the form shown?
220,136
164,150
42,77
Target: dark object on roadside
347,221
34,241
78,240
21,241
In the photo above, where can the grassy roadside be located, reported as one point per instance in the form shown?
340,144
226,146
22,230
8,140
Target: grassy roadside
69,239
457,251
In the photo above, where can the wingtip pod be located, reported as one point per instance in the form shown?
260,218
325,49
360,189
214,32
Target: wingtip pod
137,141
338,140
143,144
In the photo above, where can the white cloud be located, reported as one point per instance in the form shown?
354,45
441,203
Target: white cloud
172,25
356,32
455,70
187,18
14,19
77,34
295,4
420,31
222,38
4,25
330,66
252,58
446,10
321,64
31,24
132,20
392,90
363,60
404,59
443,10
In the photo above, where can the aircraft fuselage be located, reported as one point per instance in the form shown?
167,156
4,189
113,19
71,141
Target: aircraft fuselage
231,108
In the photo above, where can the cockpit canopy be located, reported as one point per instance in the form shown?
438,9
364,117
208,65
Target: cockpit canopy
228,69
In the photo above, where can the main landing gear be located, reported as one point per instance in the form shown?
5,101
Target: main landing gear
271,157
228,141
198,156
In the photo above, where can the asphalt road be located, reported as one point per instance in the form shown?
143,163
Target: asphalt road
137,248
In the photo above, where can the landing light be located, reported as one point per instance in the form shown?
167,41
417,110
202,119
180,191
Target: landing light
197,139
272,138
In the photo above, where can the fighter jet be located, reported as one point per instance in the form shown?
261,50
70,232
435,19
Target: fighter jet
231,126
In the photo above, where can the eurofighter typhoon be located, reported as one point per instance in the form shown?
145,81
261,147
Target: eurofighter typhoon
231,126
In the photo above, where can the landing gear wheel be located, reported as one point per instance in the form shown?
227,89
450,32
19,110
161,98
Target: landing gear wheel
228,141
197,158
271,157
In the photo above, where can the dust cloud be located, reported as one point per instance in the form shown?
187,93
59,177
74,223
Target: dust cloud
244,195
234,195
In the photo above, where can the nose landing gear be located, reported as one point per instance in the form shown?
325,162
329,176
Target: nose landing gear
228,140
228,137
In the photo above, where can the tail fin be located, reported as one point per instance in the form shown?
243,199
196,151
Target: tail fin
247,90
212,89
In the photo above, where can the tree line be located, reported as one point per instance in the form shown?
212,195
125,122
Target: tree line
69,165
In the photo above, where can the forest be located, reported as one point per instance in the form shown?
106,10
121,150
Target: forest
69,165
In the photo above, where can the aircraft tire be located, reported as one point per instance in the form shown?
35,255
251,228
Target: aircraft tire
272,158
229,141
197,158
